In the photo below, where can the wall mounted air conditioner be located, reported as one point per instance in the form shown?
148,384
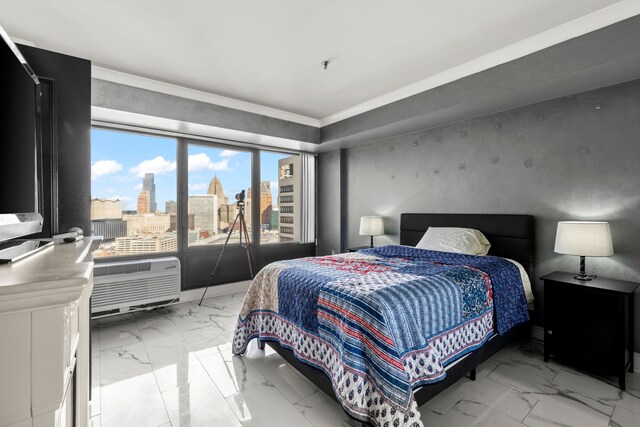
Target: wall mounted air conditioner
125,284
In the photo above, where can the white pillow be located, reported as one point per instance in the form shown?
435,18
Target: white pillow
453,239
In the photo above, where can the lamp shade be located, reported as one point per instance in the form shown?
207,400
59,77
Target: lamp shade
371,226
583,238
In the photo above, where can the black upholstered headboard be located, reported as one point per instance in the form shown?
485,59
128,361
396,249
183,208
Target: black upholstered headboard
511,236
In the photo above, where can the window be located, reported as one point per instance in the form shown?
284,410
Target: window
217,178
279,193
133,193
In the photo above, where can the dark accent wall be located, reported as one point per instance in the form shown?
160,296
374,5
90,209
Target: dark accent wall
329,207
120,97
66,137
572,158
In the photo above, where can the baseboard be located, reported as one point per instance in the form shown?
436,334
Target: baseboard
215,291
537,333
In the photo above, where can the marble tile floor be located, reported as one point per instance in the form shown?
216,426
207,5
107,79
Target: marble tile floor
173,367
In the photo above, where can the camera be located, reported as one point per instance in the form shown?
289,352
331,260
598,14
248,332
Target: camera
240,196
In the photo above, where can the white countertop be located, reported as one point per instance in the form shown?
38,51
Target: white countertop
54,276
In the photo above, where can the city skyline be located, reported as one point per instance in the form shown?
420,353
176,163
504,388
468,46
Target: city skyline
120,161
133,173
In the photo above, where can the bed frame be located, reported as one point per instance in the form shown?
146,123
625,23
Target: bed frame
511,236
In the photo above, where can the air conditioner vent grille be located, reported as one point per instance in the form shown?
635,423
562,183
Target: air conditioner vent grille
127,284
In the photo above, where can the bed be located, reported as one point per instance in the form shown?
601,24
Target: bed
362,327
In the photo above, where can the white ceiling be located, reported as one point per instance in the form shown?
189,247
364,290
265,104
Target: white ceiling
269,52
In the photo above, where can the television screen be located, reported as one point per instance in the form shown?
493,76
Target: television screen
20,165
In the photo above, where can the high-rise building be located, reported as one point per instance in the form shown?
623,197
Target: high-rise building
204,207
143,203
109,228
149,185
173,221
171,206
226,211
215,188
275,218
147,223
146,244
266,204
289,200
105,208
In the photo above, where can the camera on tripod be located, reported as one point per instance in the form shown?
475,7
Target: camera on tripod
240,197
243,233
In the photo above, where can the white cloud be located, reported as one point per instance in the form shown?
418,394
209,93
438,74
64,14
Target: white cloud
104,167
228,153
139,187
199,186
201,161
158,166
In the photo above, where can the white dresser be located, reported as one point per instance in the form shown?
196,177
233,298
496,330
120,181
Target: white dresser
44,338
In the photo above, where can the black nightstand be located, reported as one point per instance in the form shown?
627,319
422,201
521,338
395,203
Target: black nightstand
589,324
357,248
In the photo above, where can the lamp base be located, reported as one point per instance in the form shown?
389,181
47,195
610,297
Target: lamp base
585,277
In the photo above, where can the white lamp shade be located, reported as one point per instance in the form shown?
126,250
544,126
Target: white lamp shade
371,226
584,238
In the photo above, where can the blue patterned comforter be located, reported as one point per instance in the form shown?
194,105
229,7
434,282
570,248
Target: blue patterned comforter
381,322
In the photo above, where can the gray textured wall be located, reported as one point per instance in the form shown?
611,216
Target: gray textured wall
572,158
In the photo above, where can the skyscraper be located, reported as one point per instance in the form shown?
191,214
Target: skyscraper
143,202
289,203
226,210
266,204
150,186
170,206
204,207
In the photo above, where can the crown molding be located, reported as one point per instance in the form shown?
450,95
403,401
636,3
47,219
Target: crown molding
583,25
572,29
210,98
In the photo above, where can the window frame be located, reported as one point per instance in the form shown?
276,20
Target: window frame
182,192
133,257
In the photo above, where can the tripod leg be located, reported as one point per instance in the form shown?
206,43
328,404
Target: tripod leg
243,225
220,257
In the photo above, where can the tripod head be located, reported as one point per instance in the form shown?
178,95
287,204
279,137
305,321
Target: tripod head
240,200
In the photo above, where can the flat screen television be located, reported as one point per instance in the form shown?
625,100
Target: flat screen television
20,142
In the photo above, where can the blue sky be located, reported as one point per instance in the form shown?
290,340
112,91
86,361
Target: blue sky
119,161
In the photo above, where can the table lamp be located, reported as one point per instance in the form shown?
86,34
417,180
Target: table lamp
371,226
583,238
